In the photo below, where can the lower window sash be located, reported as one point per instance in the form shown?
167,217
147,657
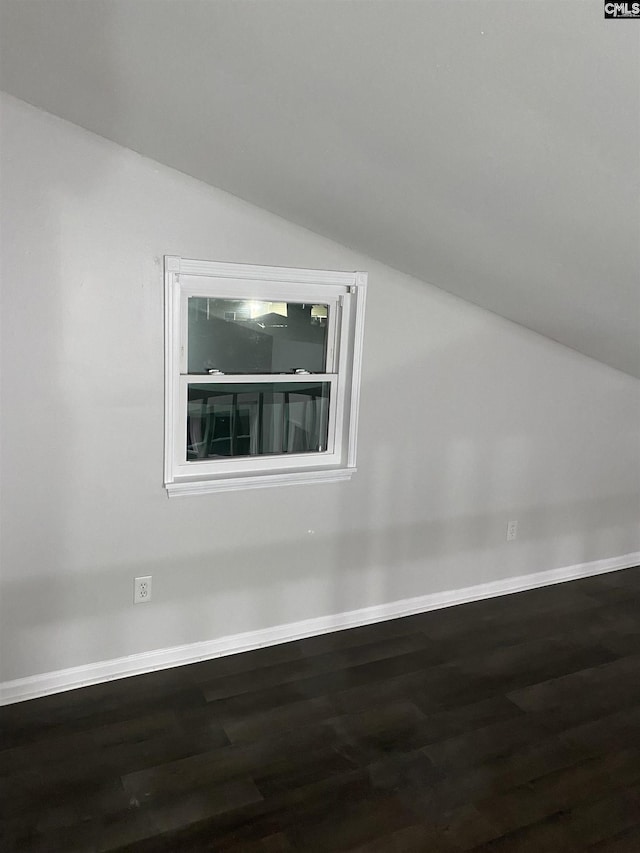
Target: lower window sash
243,424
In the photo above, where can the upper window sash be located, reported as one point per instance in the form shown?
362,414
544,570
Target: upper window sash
333,297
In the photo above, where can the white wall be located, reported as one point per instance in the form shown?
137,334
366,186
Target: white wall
466,421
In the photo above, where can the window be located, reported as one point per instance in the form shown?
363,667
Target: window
262,375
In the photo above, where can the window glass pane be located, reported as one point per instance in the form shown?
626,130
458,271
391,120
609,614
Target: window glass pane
256,419
245,336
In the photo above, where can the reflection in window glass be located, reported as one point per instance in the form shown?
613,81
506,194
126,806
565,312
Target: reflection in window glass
256,419
246,336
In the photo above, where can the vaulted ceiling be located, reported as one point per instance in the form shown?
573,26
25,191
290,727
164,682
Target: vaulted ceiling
489,147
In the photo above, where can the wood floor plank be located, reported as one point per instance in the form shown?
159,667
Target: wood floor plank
331,661
627,841
412,839
252,758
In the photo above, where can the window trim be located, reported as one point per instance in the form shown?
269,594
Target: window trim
333,287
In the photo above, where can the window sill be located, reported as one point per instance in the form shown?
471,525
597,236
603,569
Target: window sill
260,481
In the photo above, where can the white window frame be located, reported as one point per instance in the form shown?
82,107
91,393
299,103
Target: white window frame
344,292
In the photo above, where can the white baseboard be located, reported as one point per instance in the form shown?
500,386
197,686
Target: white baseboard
81,676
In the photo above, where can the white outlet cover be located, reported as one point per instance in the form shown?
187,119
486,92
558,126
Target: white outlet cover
142,590
512,531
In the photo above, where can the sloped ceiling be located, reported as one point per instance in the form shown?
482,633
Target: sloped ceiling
490,148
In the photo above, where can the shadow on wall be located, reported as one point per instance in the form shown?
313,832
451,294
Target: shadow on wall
209,593
473,433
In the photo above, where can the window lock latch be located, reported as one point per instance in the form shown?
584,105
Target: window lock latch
300,371
213,371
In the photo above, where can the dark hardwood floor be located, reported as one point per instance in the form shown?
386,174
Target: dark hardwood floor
506,725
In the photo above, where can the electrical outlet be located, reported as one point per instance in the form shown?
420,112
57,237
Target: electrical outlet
512,531
142,590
